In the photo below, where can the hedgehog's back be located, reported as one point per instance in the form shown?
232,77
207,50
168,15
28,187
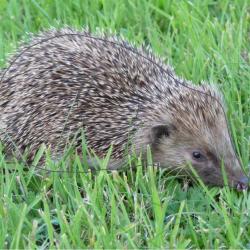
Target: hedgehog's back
64,81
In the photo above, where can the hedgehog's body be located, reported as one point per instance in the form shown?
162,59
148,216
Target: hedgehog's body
72,82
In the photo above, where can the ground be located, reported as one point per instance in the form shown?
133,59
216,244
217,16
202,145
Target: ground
144,208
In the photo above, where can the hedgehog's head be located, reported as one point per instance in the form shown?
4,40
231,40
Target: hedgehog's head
193,129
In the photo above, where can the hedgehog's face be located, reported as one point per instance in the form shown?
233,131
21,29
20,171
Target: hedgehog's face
178,149
198,136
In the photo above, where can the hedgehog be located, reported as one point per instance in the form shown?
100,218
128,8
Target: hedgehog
63,81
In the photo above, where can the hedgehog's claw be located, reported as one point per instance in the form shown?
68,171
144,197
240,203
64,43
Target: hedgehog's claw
242,184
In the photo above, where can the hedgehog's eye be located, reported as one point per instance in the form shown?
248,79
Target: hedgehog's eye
198,156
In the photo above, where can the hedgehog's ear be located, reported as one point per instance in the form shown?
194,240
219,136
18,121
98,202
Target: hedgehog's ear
160,131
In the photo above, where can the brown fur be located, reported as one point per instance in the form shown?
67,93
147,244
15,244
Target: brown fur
73,82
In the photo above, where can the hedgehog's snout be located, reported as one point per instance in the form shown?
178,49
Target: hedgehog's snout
243,183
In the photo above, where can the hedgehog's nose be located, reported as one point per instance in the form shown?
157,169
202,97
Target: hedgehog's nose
243,184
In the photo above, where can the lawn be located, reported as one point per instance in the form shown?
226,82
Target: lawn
144,208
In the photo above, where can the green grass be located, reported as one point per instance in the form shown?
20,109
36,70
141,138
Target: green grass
144,208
